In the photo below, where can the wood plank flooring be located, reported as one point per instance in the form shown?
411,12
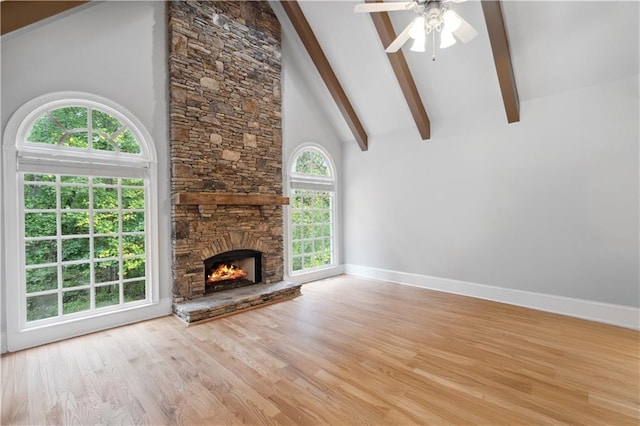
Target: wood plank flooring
347,351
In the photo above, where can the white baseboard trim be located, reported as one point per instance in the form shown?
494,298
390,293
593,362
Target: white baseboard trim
38,336
619,315
317,275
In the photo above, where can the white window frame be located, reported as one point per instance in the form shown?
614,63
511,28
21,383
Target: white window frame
21,156
318,183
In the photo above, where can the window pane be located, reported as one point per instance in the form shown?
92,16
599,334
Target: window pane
74,197
40,224
42,279
312,163
132,245
106,247
133,268
45,130
105,223
74,179
307,232
127,143
41,307
308,246
297,263
102,143
39,197
307,217
308,263
77,140
133,182
43,251
71,118
75,301
132,198
107,271
32,177
75,249
107,295
75,223
76,275
297,232
105,181
104,122
133,222
297,247
135,290
105,198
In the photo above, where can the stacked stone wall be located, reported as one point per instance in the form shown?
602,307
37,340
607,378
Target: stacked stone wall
226,132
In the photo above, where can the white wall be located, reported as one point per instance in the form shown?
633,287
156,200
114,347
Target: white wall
548,205
303,121
112,49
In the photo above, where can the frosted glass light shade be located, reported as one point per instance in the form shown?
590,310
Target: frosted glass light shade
451,21
446,39
419,44
417,30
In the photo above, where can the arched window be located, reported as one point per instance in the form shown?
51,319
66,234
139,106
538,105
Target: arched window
84,227
312,227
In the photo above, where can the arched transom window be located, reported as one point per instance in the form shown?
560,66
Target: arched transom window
312,214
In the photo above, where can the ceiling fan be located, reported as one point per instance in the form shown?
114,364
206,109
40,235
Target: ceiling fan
434,16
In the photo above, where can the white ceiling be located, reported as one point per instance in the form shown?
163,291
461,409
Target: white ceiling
555,46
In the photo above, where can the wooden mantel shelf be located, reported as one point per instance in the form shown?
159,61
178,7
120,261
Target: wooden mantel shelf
228,199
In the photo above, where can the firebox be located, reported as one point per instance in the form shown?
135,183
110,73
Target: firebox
232,269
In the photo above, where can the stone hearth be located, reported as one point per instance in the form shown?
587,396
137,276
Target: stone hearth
236,300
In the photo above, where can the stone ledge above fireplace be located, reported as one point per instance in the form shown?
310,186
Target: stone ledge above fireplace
228,199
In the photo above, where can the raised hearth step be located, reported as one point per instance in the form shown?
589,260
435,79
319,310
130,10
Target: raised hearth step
234,300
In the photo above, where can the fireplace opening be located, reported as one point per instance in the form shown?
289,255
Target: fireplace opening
232,269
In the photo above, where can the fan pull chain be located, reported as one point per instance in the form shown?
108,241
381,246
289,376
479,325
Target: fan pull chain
433,46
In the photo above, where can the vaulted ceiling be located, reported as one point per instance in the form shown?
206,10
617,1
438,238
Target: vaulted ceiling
555,46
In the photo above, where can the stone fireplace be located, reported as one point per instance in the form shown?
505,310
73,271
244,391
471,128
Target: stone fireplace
226,141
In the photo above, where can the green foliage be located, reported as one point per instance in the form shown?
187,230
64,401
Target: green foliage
313,163
117,204
68,126
311,229
134,291
107,295
41,307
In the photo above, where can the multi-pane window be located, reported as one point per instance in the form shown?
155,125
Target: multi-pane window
312,211
83,186
84,243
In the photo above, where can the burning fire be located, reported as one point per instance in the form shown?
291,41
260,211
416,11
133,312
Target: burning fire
226,271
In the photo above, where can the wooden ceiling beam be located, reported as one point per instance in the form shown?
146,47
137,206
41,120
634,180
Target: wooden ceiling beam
502,58
18,14
310,42
398,62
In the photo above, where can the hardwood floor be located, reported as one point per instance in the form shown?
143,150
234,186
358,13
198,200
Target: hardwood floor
347,351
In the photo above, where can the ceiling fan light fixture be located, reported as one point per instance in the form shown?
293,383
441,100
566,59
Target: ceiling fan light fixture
451,21
417,28
446,39
419,45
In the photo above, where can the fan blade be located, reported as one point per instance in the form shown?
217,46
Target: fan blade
401,39
458,1
465,33
382,7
